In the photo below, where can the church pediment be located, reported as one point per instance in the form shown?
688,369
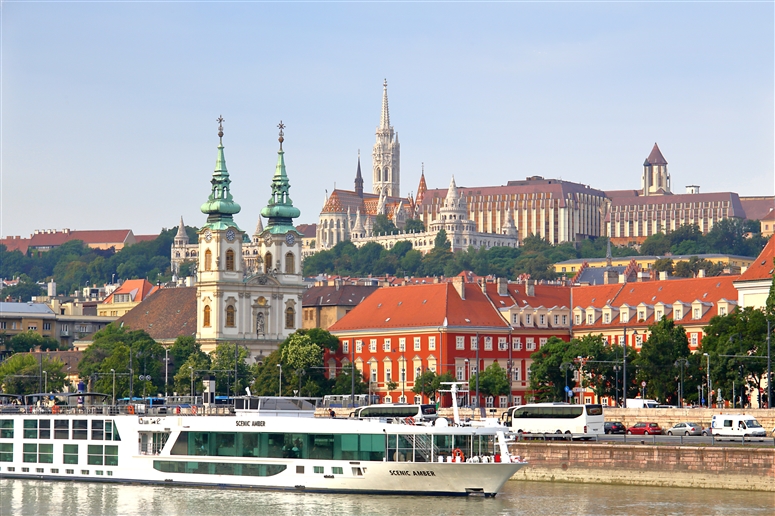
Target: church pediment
262,279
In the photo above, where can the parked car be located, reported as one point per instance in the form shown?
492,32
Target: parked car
706,431
685,429
645,429
614,427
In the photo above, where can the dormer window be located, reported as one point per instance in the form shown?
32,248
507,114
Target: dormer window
697,313
678,313
641,315
658,315
542,320
590,318
625,317
578,319
606,318
722,310
528,319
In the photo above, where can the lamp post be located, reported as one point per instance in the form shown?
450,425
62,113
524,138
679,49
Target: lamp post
564,367
191,391
45,381
616,369
114,386
624,366
166,370
710,389
681,362
477,370
403,383
280,388
468,377
769,368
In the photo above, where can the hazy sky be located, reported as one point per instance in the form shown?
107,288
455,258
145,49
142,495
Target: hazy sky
108,109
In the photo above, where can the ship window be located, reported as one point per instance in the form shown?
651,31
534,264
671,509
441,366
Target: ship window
80,429
318,469
6,452
219,468
97,430
44,429
6,428
337,470
61,429
70,455
94,455
30,428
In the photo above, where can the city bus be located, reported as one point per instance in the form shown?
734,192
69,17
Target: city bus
344,401
554,418
388,412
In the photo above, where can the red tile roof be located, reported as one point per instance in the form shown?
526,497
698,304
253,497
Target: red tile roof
762,268
308,230
139,289
97,236
166,315
756,208
707,290
145,238
16,244
415,306
330,295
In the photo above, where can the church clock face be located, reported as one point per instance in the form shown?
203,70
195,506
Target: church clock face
268,238
230,235
208,235
290,238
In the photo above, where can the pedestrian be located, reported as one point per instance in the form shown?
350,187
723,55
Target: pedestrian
332,413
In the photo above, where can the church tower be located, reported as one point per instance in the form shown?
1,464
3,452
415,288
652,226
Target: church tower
219,267
359,178
386,156
655,179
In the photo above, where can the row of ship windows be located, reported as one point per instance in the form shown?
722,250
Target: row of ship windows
97,454
55,471
250,470
101,430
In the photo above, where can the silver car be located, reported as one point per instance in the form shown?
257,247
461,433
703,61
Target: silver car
685,429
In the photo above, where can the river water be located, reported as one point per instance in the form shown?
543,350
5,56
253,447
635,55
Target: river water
32,497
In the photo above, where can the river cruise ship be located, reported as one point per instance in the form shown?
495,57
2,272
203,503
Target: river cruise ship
258,443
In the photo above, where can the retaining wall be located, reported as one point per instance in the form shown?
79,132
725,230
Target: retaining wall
744,468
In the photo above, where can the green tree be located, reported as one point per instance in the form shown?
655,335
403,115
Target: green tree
425,384
441,241
664,265
384,226
655,245
196,366
222,363
414,226
343,382
656,362
494,381
179,352
23,291
267,376
31,341
21,374
769,305
547,380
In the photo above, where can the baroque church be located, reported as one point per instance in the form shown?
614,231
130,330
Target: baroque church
350,214
249,288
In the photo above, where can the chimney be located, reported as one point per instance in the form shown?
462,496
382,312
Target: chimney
701,273
662,275
530,288
460,285
503,284
622,278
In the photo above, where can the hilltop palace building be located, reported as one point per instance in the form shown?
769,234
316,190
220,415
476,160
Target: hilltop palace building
248,290
559,211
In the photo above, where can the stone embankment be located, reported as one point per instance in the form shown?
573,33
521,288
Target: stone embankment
710,467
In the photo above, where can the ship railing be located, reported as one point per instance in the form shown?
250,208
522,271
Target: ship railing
423,445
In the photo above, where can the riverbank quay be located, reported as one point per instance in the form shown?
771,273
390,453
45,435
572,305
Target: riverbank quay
704,467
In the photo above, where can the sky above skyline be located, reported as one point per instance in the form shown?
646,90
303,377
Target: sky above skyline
108,109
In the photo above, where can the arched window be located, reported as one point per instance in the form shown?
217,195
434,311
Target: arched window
290,263
208,260
230,316
267,262
230,260
386,171
206,316
290,318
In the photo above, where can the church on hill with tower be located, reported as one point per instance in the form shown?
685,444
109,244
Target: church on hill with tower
248,289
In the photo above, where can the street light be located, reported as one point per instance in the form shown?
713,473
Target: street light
468,376
166,370
280,389
564,367
616,369
624,366
45,380
681,362
769,368
710,396
114,386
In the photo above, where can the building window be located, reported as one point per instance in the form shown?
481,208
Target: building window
515,319
503,344
208,260
517,374
606,318
488,401
638,340
372,345
721,311
359,346
565,320
460,373
388,374
556,320
696,313
46,325
230,260
542,342
460,342
373,374
346,346
641,315
290,318
402,344
386,345
267,262
625,317
516,343
542,320
590,318
418,399
658,315
290,263
528,319
678,314
431,343
474,343
503,401
417,344
488,343
206,316
578,319
531,344
694,339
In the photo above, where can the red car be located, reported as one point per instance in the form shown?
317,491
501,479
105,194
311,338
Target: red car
645,429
